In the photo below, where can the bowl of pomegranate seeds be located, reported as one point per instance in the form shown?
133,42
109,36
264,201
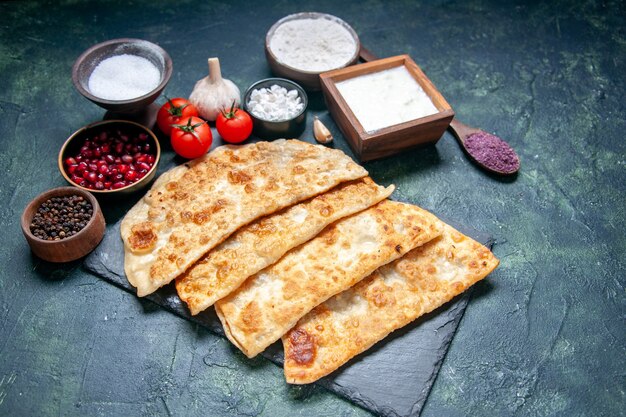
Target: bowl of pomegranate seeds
110,157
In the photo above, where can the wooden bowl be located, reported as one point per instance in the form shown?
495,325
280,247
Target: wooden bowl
75,141
89,60
393,139
310,80
71,248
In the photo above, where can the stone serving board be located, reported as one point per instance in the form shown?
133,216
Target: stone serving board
393,378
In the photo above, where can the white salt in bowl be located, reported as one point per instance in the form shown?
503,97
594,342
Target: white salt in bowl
89,60
289,128
310,80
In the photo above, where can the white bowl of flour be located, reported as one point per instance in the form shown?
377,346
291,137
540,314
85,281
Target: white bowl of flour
301,46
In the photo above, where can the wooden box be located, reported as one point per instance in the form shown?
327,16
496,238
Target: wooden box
392,139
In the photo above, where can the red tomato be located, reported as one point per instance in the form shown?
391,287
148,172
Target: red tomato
173,111
192,138
234,126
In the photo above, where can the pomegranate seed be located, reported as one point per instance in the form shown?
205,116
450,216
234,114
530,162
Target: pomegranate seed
110,160
130,176
143,165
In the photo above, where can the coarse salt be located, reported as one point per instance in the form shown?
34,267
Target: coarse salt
386,98
275,104
312,44
123,77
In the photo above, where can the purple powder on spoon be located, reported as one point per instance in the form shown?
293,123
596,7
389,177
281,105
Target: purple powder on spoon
492,152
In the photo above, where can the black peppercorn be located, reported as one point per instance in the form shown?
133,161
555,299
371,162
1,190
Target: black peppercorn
61,217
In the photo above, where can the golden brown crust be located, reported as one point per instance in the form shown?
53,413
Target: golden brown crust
194,207
392,297
302,348
264,241
340,256
142,237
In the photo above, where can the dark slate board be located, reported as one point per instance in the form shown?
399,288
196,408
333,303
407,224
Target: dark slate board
393,378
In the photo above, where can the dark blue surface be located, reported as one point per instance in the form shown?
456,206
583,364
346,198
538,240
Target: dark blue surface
544,335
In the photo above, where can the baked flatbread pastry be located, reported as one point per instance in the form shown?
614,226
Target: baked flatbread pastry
390,298
271,302
194,207
264,241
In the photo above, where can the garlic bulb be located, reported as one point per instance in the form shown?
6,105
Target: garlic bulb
212,94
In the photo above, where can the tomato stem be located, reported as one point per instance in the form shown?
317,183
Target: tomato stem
176,111
189,128
231,113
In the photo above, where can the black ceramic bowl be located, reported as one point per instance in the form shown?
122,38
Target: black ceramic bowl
89,60
268,130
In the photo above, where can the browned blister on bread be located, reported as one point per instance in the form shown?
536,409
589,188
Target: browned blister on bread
194,207
264,241
270,302
392,297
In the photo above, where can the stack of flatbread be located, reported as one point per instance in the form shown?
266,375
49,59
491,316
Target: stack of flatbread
292,240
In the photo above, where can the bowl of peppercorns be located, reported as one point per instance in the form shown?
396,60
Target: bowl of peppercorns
63,224
110,157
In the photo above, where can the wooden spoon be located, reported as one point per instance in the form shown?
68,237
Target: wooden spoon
462,131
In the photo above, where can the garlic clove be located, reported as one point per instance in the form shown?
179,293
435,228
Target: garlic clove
321,132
